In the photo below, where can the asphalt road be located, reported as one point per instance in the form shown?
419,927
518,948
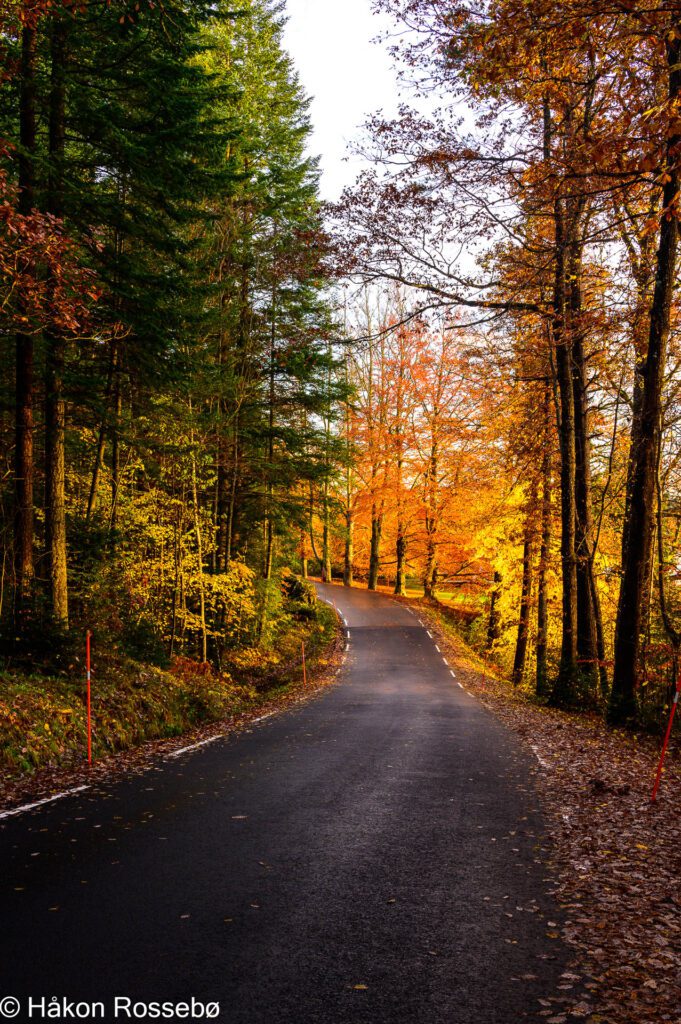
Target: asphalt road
385,835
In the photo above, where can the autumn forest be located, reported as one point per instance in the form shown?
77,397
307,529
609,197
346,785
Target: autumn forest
459,381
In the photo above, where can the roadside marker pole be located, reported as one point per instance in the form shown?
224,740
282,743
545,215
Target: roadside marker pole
304,669
89,699
668,733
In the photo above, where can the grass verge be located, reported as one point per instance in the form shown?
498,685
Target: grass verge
43,720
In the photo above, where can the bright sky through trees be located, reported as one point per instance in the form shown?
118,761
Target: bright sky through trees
347,80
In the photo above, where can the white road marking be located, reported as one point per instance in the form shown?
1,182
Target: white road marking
212,739
40,803
542,761
451,672
203,743
429,634
335,608
438,649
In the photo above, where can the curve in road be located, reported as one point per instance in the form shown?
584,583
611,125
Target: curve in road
374,856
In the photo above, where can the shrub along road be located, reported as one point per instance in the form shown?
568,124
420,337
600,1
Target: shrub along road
374,855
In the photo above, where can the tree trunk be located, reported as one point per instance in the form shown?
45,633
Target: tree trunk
326,536
635,441
55,480
24,395
242,342
55,475
349,548
377,458
640,326
269,518
115,439
401,539
349,517
494,620
431,520
430,572
176,586
269,509
375,547
231,509
525,598
565,689
98,466
399,448
199,555
544,554
600,635
222,484
96,473
401,555
638,524
222,490
303,555
587,607
222,503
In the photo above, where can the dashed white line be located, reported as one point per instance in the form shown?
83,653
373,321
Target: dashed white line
429,634
451,672
41,803
203,743
212,739
438,649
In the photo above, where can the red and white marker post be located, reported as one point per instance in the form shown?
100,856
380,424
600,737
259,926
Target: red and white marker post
89,697
668,733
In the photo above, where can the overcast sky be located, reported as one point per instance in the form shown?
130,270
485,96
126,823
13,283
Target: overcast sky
348,76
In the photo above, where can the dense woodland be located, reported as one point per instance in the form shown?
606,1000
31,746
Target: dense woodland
164,308
461,380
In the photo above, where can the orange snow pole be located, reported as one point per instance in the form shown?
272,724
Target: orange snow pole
89,697
658,776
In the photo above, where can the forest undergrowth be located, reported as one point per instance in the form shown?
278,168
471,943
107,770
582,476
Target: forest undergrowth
142,710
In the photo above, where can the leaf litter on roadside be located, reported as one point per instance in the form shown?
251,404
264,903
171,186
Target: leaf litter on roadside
616,856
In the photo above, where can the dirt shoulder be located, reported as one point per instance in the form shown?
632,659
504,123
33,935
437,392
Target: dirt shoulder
617,857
